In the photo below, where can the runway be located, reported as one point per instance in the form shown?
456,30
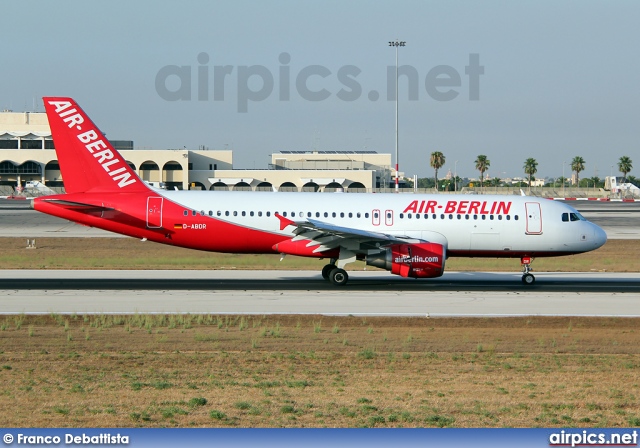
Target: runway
299,292
302,292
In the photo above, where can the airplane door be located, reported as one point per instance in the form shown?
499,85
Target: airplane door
534,218
154,212
388,217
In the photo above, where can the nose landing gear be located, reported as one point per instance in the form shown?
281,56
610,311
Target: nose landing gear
527,277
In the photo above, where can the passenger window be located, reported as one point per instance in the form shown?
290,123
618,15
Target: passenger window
244,213
450,216
459,217
358,215
417,216
210,212
499,217
515,217
194,213
466,217
401,215
484,217
333,215
259,213
491,217
409,215
219,213
350,215
342,214
565,217
250,213
434,216
366,215
268,214
326,214
202,213
284,214
226,213
317,214
235,213
308,214
475,216
508,217
186,213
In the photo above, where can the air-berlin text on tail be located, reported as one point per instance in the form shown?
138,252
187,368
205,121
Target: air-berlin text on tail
95,145
460,207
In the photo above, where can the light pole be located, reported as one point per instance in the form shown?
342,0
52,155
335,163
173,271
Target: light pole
455,176
563,178
396,43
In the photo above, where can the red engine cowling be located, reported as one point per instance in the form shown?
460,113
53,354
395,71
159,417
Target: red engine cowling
425,260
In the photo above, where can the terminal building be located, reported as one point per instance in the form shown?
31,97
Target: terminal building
27,153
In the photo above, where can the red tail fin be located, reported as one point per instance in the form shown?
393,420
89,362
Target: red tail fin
88,162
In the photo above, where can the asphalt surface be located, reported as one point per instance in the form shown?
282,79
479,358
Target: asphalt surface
302,292
181,280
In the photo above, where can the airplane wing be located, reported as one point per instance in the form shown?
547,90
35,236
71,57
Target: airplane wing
328,236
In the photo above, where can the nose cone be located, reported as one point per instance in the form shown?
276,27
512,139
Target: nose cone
600,236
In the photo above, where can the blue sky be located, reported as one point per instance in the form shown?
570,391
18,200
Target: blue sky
560,78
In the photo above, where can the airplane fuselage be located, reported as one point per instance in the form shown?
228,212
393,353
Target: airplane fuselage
247,222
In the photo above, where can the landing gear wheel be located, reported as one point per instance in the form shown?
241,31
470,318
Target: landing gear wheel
327,270
339,277
528,279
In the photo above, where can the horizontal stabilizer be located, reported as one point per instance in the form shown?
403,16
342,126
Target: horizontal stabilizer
75,204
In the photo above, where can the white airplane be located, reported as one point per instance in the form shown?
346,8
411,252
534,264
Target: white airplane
410,235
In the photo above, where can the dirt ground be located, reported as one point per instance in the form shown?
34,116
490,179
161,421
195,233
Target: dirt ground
317,371
129,253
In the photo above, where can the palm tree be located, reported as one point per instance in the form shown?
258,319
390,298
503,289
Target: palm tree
596,181
530,168
577,165
437,162
624,166
482,163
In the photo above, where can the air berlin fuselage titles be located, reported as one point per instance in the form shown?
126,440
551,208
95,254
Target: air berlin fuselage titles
409,235
460,207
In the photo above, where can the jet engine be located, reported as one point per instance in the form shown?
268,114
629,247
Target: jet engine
424,260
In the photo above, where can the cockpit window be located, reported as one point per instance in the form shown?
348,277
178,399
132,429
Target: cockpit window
566,217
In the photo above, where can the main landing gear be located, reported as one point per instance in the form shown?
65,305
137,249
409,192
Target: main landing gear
527,277
334,274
